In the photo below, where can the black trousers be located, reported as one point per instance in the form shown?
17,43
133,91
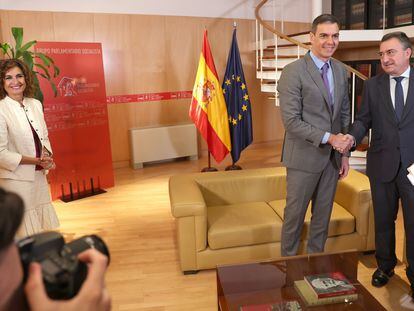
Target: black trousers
385,197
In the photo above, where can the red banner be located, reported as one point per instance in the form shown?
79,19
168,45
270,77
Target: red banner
77,119
147,97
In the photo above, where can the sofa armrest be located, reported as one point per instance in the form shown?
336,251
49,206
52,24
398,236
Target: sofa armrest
354,194
189,208
186,198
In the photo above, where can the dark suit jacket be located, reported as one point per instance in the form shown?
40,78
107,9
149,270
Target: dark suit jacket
307,116
392,141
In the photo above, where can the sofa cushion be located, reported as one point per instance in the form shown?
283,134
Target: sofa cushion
242,224
342,222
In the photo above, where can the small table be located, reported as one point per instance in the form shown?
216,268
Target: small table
272,281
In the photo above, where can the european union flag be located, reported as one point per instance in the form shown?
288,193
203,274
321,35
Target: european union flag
238,102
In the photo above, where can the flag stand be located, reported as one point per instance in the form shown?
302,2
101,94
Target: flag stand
233,167
209,168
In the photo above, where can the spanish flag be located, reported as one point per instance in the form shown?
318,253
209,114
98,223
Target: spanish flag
208,107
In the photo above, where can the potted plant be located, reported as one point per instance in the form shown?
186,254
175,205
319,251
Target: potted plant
39,63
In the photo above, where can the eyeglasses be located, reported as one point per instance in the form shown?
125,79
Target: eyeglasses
389,53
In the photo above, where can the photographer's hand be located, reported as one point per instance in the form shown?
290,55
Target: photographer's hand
92,295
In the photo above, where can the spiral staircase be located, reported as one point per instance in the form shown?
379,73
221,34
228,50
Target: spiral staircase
278,51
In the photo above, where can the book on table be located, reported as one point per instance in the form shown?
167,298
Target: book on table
326,288
329,284
289,305
309,298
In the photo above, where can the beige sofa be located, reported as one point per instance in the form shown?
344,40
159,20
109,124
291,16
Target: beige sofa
236,216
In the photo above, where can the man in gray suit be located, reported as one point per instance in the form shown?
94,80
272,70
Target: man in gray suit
314,102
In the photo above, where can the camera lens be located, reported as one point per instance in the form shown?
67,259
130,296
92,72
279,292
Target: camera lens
86,242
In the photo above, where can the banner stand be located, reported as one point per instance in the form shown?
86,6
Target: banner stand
80,194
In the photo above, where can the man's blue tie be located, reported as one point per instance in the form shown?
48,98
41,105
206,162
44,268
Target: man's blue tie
399,98
325,68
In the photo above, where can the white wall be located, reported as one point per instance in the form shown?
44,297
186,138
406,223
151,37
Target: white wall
293,10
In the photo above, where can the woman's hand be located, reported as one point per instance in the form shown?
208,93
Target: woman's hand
47,163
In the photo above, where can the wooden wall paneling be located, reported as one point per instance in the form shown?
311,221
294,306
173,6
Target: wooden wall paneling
365,53
36,25
73,27
182,51
120,120
292,27
147,36
144,73
113,31
4,27
183,48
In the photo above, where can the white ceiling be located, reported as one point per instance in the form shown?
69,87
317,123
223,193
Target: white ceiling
288,10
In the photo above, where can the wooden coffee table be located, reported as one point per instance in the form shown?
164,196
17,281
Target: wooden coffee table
272,282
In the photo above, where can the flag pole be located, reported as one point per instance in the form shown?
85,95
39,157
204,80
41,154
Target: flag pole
238,103
209,168
234,166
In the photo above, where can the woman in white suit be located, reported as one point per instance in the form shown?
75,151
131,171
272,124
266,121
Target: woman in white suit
25,151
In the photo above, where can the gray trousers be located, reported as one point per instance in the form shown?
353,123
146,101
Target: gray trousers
302,187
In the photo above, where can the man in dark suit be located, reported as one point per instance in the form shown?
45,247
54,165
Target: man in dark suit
388,110
314,103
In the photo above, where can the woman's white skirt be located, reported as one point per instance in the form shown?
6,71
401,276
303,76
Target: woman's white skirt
39,212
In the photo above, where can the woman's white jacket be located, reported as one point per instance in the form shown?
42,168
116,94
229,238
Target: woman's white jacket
16,137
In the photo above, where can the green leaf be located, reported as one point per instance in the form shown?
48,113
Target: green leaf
18,36
18,54
28,45
6,48
38,91
48,62
41,74
46,71
48,58
36,80
28,59
53,85
45,59
39,95
56,71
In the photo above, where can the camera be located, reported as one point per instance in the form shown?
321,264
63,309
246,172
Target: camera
63,273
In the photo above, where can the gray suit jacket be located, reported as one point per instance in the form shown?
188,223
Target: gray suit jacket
307,116
392,141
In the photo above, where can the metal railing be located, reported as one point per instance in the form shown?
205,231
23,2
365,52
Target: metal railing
261,25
